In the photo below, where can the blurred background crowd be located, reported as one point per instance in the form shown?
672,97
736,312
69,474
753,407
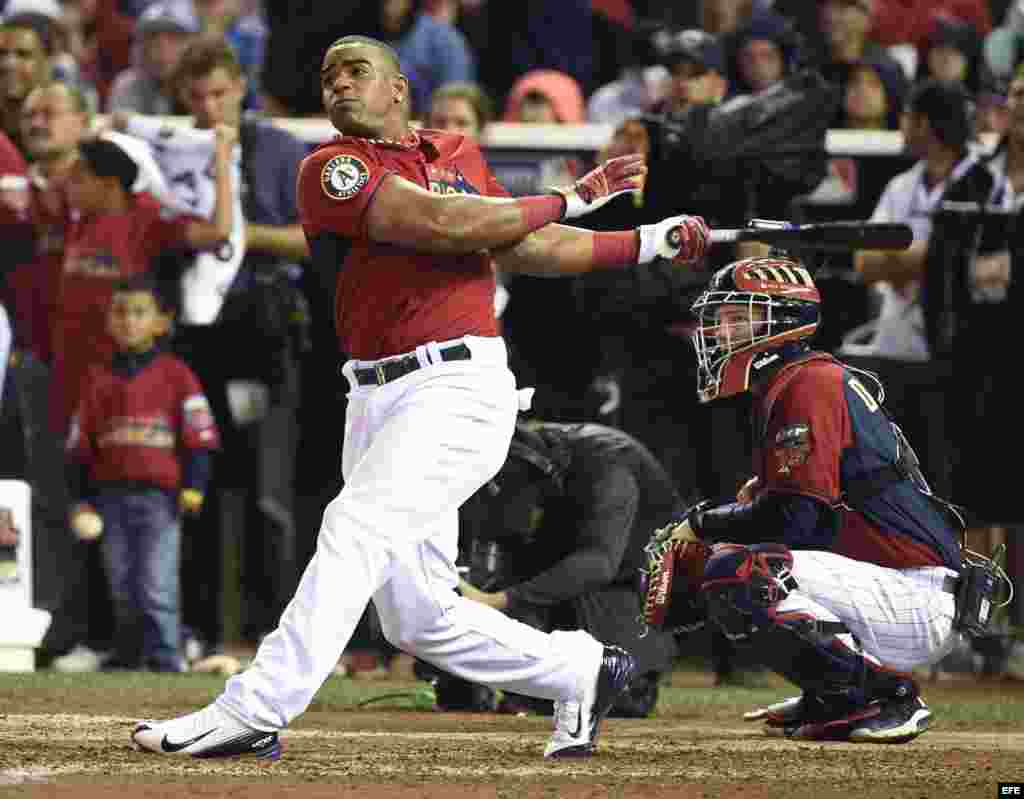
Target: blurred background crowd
254,324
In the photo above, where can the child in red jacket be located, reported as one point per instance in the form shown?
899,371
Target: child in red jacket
141,440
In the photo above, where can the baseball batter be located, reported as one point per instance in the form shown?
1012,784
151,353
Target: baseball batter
858,584
410,221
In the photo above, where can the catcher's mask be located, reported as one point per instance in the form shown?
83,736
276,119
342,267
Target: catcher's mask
511,505
750,308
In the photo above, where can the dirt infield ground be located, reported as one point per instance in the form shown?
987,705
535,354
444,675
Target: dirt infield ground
79,748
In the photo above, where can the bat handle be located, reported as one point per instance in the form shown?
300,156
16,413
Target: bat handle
721,236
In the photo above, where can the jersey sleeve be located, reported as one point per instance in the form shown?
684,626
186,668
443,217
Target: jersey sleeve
491,185
14,188
804,441
335,187
198,428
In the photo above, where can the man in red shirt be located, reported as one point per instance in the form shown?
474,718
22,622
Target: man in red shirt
398,217
55,117
116,234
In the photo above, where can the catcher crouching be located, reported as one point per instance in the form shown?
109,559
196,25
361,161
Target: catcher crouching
835,563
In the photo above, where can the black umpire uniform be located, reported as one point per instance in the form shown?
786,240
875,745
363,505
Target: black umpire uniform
561,529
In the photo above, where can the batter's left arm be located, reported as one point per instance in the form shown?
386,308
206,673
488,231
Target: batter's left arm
555,250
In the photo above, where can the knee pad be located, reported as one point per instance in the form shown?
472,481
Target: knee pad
743,584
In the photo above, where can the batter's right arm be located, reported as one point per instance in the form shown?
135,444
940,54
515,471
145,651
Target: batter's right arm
405,214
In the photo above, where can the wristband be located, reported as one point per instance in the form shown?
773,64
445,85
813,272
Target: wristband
541,210
648,243
616,249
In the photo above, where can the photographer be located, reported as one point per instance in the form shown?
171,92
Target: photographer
555,541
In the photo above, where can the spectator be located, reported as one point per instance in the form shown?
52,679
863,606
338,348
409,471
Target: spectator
245,32
55,117
26,44
432,52
460,108
162,33
547,97
991,114
115,234
696,63
873,96
952,52
251,498
936,128
100,41
765,52
844,34
640,85
140,442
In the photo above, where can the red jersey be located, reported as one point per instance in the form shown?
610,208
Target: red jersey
99,251
133,428
391,299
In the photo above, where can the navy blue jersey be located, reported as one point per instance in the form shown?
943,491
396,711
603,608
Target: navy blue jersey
824,429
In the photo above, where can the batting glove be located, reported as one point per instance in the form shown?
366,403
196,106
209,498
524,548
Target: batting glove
614,177
683,239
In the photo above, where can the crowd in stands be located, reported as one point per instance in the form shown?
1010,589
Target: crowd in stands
107,211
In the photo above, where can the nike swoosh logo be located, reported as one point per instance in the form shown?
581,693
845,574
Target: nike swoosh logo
579,723
169,747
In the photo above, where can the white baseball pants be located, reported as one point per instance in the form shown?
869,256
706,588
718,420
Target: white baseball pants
415,449
901,617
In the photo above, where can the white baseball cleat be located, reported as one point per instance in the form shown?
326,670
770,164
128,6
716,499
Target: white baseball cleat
578,723
210,732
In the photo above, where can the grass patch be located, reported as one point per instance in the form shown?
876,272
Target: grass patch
999,705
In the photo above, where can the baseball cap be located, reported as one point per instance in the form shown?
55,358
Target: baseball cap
691,45
166,17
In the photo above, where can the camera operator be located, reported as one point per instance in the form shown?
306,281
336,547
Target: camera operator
556,540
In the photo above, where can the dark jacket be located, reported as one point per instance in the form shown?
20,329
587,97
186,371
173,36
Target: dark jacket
590,545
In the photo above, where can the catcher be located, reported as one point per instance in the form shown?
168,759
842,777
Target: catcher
835,563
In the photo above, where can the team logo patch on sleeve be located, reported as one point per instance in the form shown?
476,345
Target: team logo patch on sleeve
792,447
198,416
343,177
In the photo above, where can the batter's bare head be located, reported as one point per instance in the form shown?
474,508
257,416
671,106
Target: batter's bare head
363,89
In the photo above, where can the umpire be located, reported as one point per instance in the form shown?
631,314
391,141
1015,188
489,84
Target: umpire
555,540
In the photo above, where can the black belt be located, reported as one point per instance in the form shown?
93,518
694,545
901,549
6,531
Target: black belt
386,371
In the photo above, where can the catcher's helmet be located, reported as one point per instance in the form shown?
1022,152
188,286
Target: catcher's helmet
749,308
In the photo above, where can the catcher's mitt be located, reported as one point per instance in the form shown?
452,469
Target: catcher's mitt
670,581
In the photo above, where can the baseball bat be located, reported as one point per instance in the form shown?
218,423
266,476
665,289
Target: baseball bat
820,236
